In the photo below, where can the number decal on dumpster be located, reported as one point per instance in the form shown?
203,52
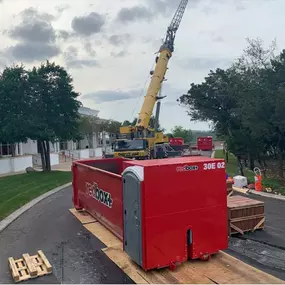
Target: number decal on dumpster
98,194
213,165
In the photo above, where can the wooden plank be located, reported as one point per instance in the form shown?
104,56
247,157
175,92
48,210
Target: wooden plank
241,190
103,234
242,273
30,265
235,202
247,218
235,228
14,269
230,194
45,261
181,275
122,260
83,216
259,224
221,269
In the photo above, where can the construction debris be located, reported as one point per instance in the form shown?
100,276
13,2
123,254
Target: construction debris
28,267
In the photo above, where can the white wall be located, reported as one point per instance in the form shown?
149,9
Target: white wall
78,154
54,147
83,143
96,152
30,147
15,164
54,159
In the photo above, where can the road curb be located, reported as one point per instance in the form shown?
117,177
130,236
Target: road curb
213,154
267,195
15,215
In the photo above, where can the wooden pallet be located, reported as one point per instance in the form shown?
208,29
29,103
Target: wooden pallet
245,215
221,269
28,267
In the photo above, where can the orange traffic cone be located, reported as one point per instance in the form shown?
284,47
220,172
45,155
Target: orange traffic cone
257,179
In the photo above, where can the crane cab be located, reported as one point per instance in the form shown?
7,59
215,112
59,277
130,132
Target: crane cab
131,148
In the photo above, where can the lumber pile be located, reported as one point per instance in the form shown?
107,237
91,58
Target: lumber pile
245,215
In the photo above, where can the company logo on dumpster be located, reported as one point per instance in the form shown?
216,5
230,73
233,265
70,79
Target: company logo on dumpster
187,168
98,194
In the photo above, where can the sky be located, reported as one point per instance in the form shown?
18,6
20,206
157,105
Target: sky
109,46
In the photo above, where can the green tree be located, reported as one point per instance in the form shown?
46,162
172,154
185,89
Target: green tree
55,108
216,100
245,103
88,127
15,106
113,129
180,132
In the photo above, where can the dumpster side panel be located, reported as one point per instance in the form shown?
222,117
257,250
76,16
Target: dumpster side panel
113,165
100,193
179,200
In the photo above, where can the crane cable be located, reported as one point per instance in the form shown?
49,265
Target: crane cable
132,116
141,93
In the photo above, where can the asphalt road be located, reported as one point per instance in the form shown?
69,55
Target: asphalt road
76,256
74,253
264,249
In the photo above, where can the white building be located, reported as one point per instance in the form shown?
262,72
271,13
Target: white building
88,112
29,154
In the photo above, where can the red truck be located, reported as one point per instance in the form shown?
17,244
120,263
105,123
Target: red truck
205,143
176,141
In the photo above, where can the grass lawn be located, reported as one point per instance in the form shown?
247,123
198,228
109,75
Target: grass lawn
232,166
232,170
17,190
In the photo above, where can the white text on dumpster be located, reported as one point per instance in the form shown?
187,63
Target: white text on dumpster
98,194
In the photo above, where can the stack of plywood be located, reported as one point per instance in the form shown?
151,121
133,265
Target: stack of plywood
245,214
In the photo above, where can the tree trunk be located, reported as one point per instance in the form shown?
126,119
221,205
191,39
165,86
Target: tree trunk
280,163
48,156
240,165
280,158
90,140
251,162
45,156
245,162
41,149
227,156
13,149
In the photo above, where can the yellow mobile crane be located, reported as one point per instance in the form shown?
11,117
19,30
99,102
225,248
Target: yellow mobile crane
140,141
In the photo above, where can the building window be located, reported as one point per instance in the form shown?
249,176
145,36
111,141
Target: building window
5,149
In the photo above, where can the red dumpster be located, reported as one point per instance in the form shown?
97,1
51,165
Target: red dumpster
166,211
97,187
205,143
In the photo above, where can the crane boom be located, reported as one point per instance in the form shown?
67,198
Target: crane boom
165,54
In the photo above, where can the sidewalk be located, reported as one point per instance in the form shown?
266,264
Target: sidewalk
64,166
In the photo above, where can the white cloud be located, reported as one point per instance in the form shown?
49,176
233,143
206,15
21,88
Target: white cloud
110,57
